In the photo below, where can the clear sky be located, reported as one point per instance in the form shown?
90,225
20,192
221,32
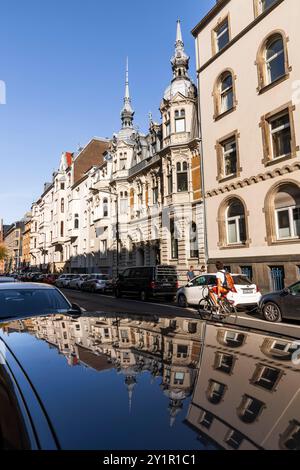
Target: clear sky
63,63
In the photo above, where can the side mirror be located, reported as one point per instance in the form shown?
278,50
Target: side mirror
287,291
190,284
75,310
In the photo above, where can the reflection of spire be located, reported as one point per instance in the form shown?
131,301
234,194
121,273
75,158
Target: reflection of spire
175,407
127,112
130,381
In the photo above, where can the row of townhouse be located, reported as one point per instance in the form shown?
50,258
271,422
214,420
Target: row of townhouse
133,200
228,155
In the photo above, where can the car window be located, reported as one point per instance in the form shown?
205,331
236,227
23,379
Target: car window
15,302
199,281
295,289
126,273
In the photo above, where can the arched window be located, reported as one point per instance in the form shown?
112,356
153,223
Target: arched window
194,250
105,207
287,212
224,93
182,177
236,223
274,57
76,221
272,60
62,205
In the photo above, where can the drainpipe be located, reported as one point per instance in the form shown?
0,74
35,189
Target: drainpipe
202,164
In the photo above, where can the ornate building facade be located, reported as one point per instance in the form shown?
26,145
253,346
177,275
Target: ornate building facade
138,202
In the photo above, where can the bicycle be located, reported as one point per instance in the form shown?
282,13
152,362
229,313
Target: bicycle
213,308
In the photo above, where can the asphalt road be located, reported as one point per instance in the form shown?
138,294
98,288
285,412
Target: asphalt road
109,304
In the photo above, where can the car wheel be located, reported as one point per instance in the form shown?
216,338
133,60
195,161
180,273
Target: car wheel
143,295
272,312
182,302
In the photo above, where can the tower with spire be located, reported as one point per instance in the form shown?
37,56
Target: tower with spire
127,112
180,61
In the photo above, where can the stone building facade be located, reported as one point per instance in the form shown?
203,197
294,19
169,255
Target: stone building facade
248,71
135,200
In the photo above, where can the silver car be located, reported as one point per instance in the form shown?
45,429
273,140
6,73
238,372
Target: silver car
77,281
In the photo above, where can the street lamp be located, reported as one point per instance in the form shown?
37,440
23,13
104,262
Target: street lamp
44,251
111,193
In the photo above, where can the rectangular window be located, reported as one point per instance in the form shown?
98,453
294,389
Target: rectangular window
234,439
180,125
280,129
103,249
224,362
266,377
288,223
222,35
266,4
174,240
182,351
229,157
124,206
168,128
170,182
155,195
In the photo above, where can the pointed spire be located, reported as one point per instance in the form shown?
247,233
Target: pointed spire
127,112
180,61
179,34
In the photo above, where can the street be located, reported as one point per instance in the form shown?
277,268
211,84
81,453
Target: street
109,304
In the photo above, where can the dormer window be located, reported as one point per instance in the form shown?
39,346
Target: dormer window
180,121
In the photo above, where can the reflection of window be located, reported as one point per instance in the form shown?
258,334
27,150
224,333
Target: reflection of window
266,377
182,351
62,205
194,250
182,177
249,409
105,207
290,439
232,339
224,362
234,439
206,419
103,248
215,392
179,378
124,336
76,221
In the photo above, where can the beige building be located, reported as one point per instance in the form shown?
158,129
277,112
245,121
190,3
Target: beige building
248,70
26,257
13,243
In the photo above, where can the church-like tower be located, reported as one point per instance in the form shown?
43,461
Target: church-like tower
127,113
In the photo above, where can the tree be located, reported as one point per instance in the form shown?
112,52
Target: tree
3,252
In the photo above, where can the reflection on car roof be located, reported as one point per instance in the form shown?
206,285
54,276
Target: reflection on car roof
23,286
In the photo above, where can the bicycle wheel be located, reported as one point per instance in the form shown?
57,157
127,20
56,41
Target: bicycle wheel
205,309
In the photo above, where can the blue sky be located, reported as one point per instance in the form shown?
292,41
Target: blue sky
63,64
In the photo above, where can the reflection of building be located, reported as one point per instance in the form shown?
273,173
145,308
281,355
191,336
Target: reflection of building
247,394
248,70
166,348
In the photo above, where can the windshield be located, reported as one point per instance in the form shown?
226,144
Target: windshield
15,302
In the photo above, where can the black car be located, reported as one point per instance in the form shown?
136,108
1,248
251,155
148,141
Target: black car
148,282
282,304
20,299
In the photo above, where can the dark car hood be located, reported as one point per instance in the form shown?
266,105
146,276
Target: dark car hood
116,398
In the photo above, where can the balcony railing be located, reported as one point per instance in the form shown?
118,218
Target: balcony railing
143,164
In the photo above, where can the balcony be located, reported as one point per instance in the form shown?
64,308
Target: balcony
143,165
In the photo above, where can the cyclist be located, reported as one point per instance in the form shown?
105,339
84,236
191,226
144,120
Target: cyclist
225,283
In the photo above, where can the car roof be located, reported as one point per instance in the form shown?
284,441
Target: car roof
23,286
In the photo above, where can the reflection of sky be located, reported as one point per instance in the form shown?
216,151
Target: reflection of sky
90,409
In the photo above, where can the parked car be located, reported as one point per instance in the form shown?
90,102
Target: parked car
6,280
97,283
19,299
50,279
64,279
247,294
284,304
148,282
77,281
